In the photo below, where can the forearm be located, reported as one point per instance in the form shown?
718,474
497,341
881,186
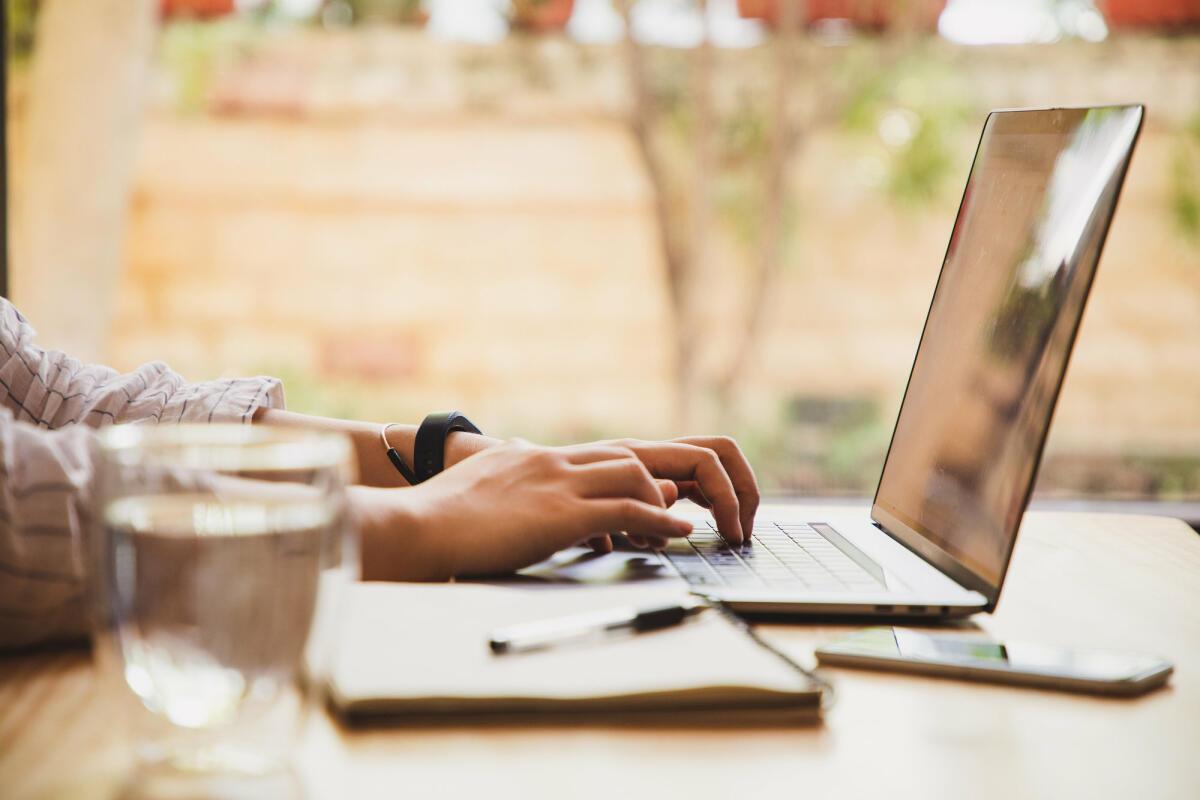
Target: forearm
374,468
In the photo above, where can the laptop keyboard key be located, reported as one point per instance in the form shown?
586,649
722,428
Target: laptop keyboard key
792,556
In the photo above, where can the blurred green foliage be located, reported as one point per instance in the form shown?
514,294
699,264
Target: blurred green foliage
907,115
922,94
309,393
1168,477
384,10
854,457
920,168
1185,182
193,52
738,188
818,445
22,19
1134,475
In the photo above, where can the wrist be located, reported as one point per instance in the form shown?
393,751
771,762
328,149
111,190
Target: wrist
461,445
397,540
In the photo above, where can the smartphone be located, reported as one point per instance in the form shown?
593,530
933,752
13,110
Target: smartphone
969,657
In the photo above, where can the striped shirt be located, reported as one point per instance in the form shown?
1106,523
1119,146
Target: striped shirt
49,404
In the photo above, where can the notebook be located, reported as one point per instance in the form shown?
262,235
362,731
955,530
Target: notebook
420,651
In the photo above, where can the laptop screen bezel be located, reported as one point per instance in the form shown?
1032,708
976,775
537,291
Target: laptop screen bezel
906,531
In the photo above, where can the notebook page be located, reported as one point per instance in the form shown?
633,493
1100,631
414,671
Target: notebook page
424,647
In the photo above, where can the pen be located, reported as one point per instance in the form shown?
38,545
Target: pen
547,633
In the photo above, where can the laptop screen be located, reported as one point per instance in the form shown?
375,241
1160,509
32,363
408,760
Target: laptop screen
1000,329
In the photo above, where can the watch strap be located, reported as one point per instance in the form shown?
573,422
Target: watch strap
429,448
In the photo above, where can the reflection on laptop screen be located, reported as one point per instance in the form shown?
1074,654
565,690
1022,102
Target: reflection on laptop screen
1000,328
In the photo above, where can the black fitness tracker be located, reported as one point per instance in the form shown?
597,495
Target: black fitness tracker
429,449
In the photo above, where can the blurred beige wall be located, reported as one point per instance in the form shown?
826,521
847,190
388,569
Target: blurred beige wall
72,166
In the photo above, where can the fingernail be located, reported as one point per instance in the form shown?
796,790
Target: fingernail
684,527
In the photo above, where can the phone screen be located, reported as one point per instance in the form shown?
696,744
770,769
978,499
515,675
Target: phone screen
900,643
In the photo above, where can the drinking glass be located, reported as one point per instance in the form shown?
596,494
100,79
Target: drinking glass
220,555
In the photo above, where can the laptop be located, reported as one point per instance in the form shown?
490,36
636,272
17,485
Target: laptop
983,386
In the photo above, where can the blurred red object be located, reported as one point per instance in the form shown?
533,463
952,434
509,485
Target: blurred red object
875,14
1152,13
541,15
196,8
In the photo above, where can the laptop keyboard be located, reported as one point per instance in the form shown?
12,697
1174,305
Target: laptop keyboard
810,557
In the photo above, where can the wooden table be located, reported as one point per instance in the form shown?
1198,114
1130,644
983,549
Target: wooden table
1121,582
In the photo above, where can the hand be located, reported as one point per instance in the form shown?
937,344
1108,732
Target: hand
709,470
509,506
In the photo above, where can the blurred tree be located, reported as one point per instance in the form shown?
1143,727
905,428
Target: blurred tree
781,144
801,100
678,253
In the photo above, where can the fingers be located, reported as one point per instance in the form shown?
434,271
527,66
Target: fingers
601,544
681,461
625,477
604,471
741,475
690,490
591,453
641,521
652,542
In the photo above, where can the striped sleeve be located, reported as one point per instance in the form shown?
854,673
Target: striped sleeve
50,389
49,402
45,491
